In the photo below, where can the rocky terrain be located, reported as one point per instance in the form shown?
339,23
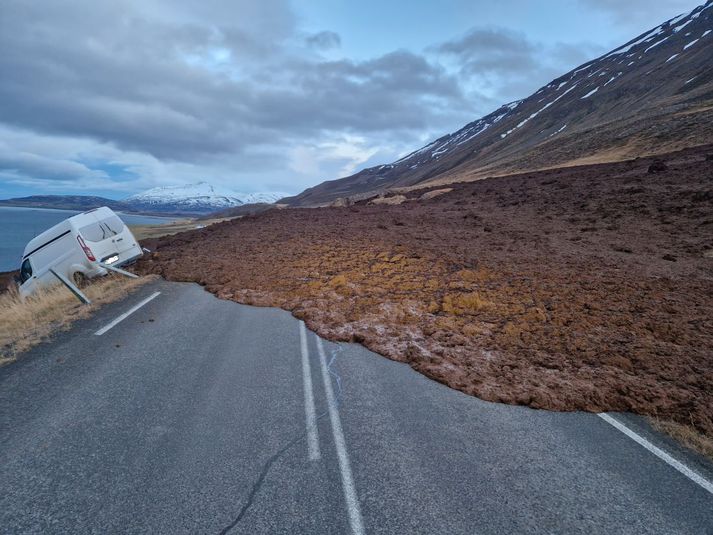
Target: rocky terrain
587,288
652,95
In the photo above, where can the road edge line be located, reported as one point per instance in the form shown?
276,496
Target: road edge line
350,494
668,459
126,314
313,452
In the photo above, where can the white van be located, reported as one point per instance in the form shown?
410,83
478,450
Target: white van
75,248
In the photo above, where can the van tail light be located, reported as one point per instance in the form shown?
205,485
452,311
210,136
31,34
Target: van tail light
87,250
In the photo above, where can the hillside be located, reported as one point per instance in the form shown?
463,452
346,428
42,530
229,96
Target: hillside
652,95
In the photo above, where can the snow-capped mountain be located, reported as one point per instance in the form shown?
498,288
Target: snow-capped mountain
195,198
650,95
261,198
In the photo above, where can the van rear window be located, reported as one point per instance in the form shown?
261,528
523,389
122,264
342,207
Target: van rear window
94,232
102,230
113,224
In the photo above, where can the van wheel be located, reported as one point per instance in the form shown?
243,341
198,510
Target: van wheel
80,280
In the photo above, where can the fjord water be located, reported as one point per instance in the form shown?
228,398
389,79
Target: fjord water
20,225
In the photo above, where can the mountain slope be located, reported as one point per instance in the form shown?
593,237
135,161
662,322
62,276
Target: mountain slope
653,94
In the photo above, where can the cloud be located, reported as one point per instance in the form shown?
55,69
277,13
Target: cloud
640,13
492,50
324,40
200,86
508,63
341,155
231,91
43,168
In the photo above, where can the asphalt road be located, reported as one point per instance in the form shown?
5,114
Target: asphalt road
193,415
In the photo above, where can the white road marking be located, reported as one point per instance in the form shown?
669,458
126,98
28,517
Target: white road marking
350,495
313,452
126,314
690,474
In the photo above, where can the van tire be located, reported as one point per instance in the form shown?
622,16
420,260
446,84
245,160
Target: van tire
80,280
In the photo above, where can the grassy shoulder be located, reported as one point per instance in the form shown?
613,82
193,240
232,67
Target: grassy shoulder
686,435
144,232
24,324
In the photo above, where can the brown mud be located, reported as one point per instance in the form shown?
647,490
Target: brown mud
586,288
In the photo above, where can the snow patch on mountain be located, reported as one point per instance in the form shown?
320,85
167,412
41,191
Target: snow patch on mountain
198,197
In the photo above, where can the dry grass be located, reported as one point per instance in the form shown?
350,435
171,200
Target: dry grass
435,193
24,324
142,232
686,435
394,199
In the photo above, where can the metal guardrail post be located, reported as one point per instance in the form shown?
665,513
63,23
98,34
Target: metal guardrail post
117,270
72,288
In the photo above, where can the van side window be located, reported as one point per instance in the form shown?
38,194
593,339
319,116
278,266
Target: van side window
26,270
94,232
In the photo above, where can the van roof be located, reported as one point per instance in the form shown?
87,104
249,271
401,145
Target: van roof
100,212
66,225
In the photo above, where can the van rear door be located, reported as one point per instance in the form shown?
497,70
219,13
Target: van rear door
111,241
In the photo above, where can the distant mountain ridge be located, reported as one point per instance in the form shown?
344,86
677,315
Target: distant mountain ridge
193,199
200,197
652,95
64,202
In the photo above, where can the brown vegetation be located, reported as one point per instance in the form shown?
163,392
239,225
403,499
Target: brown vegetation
570,289
24,324
686,434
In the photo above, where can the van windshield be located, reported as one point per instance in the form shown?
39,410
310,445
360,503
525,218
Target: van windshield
25,270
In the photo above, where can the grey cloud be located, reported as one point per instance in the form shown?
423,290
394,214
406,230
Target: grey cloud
479,42
324,40
641,13
576,53
40,167
229,87
493,51
510,64
177,89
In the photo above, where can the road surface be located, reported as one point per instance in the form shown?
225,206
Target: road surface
196,415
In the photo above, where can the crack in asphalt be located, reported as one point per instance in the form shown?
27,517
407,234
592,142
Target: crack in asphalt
268,464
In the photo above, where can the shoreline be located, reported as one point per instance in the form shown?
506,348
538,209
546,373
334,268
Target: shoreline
158,215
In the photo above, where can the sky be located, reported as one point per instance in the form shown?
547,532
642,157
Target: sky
112,97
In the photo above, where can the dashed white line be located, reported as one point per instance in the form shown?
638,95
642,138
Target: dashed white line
126,314
313,452
350,495
690,474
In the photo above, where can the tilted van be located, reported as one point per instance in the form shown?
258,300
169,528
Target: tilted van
76,248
